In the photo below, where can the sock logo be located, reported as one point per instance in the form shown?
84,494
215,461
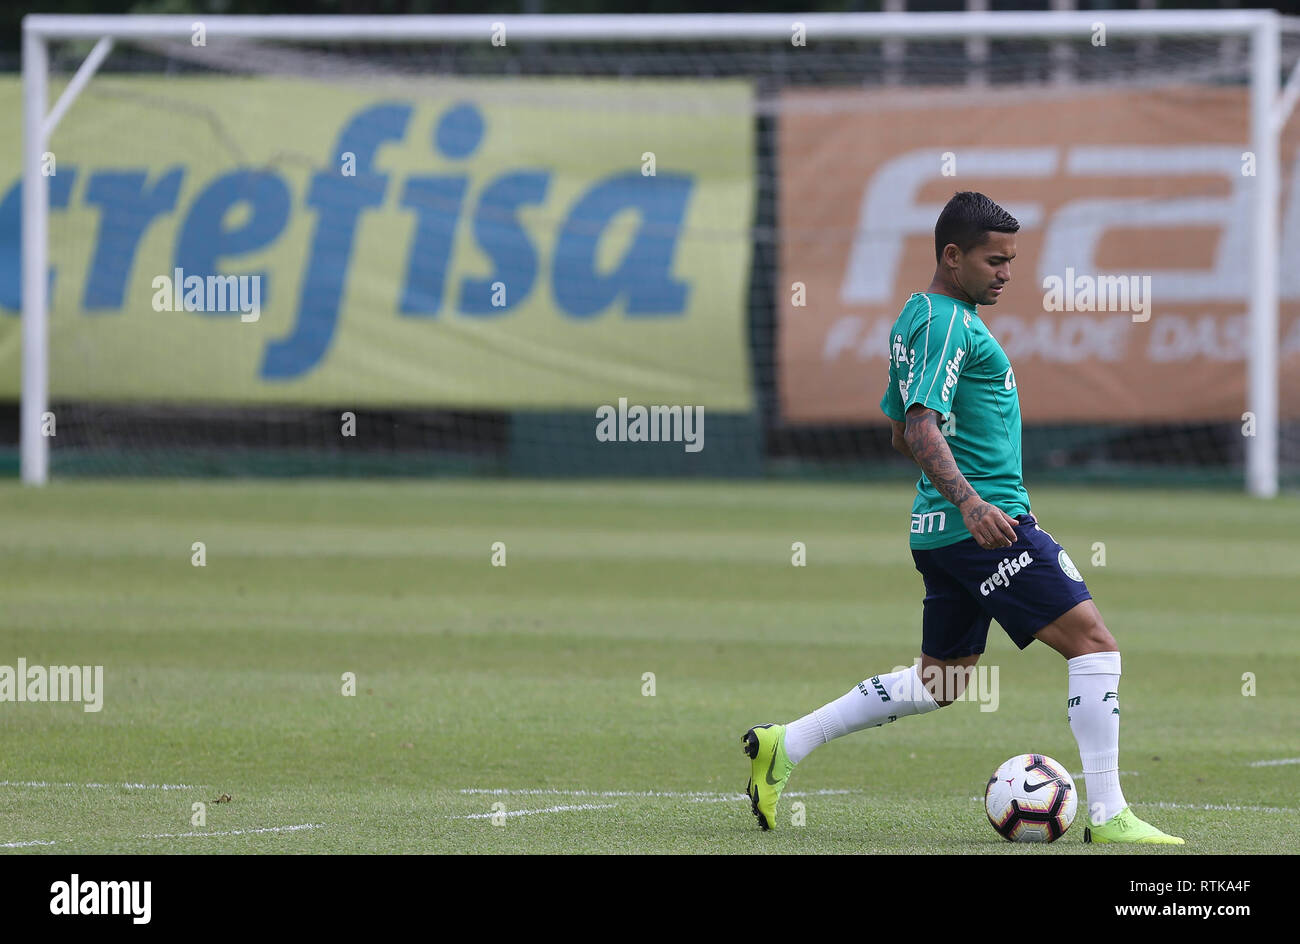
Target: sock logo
1108,696
1074,702
1002,576
875,682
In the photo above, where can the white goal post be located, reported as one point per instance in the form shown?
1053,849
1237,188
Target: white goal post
1269,108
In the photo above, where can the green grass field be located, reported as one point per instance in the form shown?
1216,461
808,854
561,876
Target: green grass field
527,679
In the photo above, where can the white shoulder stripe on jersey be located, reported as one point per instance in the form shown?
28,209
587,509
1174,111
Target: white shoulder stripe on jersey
946,337
926,347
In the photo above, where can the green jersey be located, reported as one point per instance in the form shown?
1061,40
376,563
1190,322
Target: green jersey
943,357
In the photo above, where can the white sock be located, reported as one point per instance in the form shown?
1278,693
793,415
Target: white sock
876,701
1093,713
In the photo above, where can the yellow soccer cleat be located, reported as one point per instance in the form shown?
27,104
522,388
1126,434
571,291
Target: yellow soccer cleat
1124,826
765,745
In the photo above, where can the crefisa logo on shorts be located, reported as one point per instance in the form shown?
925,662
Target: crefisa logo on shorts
1002,576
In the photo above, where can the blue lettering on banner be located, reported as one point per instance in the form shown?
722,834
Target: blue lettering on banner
130,200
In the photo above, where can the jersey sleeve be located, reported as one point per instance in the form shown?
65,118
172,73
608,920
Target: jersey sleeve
938,350
891,404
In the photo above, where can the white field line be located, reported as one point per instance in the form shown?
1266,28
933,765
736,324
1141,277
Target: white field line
237,832
225,832
696,795
591,793
731,797
691,796
1221,806
101,786
1274,763
1209,807
549,809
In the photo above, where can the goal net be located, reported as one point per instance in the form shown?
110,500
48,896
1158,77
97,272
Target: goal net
637,253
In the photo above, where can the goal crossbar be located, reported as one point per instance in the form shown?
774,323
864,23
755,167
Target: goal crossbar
650,27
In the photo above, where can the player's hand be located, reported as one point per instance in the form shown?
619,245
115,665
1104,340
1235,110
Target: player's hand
990,527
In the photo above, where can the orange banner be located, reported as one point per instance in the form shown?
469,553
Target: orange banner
1130,292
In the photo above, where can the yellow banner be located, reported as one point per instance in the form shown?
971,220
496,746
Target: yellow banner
494,243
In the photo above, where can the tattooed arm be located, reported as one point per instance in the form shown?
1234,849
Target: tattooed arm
989,526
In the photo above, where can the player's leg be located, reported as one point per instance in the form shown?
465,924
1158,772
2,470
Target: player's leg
954,629
1092,708
774,749
1080,631
953,632
1034,591
1045,598
945,679
1093,662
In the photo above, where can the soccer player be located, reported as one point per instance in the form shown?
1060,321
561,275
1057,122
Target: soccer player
952,400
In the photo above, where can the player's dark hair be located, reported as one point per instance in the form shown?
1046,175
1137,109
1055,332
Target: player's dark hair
966,221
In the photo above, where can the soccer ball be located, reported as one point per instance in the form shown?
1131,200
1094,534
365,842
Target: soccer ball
1031,798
